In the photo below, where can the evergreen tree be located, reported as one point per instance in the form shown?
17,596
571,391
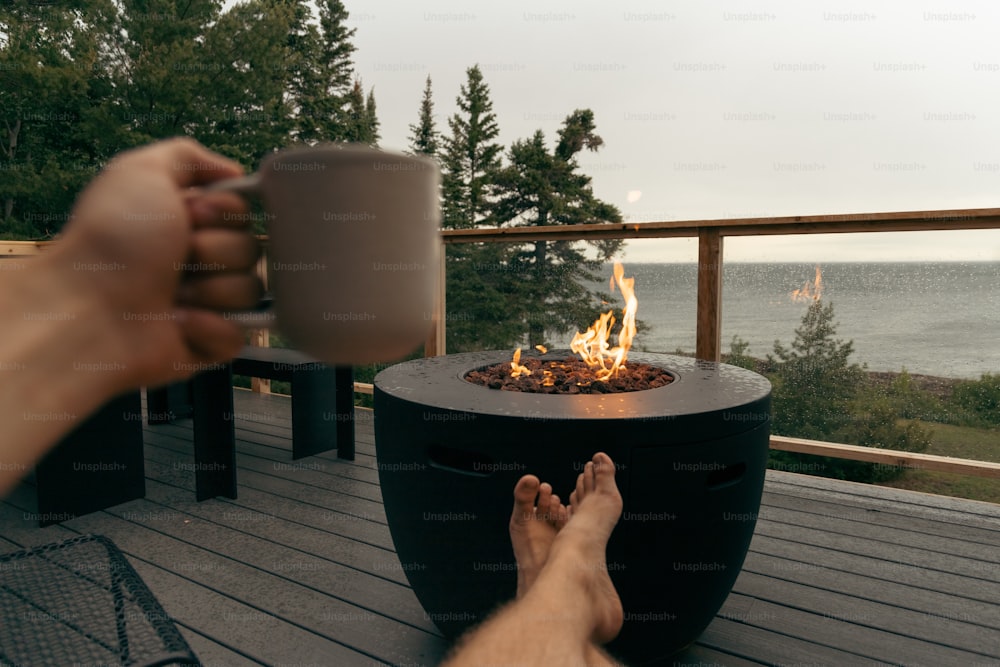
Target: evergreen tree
478,310
542,188
814,381
818,395
424,139
245,110
361,124
80,82
164,76
322,74
54,128
371,118
471,155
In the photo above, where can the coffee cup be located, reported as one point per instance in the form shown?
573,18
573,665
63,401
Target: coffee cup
354,250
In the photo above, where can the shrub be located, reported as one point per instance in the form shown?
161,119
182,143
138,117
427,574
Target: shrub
911,402
819,395
979,398
738,354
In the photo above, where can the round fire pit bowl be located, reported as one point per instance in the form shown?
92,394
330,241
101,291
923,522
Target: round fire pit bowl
690,460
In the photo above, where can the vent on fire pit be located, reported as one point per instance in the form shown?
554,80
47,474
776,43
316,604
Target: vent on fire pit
691,456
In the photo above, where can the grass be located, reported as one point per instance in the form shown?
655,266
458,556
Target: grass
963,442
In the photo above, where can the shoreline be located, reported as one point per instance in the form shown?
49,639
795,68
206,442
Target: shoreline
940,387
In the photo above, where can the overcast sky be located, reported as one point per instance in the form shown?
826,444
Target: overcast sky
734,109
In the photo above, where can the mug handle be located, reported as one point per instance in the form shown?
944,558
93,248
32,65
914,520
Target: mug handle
261,317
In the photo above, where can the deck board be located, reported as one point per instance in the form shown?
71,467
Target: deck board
300,569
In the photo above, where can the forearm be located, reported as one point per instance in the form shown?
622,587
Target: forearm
54,366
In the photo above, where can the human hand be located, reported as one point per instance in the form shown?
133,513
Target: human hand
156,261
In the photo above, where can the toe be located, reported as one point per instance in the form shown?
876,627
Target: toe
604,469
551,509
560,516
544,498
588,476
525,492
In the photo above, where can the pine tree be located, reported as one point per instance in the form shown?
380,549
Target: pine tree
819,395
424,139
165,78
814,380
471,156
371,119
361,124
55,129
541,188
323,72
246,110
478,310
83,81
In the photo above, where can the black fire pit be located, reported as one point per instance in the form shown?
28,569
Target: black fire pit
690,462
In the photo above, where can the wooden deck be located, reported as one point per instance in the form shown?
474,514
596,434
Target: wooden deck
300,570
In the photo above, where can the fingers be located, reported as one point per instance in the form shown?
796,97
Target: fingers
222,250
218,273
188,162
222,291
209,337
216,209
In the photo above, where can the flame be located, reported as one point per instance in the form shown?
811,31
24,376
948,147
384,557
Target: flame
593,346
811,290
516,369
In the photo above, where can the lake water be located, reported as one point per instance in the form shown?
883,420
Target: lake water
931,318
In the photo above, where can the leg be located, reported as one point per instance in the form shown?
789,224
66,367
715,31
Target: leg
566,603
214,434
344,402
314,425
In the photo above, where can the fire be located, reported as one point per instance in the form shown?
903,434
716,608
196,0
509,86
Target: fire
811,290
516,369
592,345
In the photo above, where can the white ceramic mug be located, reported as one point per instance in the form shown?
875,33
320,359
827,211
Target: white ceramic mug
354,249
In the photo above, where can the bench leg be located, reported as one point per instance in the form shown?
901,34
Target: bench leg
214,434
167,403
344,406
99,464
314,424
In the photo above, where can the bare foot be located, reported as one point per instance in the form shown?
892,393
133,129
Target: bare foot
533,527
579,547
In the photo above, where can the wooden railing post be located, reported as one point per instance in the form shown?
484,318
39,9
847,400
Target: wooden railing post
261,337
435,344
708,345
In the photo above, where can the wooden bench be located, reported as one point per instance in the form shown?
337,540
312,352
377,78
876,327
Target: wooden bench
98,464
322,411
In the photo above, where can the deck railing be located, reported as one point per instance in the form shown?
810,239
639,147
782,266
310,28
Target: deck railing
711,234
708,338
